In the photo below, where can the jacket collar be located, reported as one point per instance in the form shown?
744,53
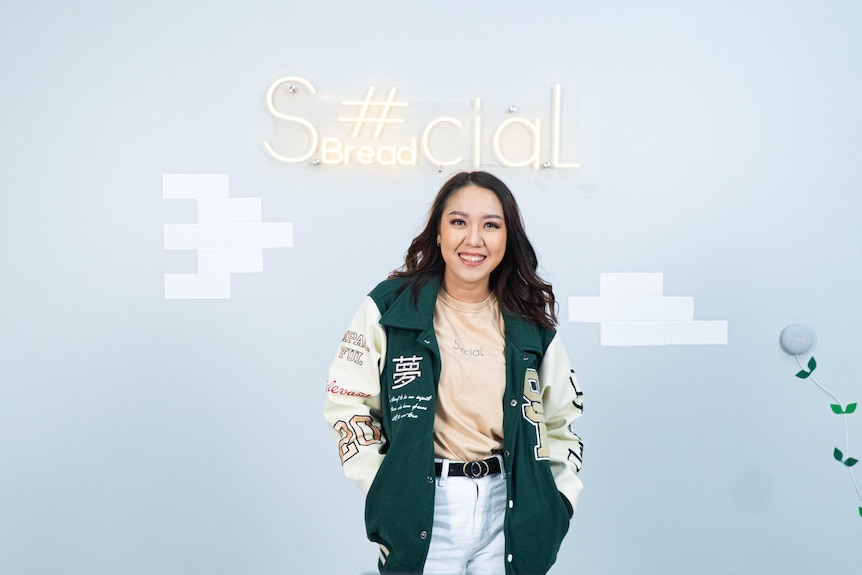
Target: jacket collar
418,314
405,312
522,335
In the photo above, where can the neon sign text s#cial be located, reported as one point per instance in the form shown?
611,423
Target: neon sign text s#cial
380,121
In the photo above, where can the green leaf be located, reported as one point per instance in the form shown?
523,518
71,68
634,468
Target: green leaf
812,365
836,409
838,455
851,407
803,374
851,462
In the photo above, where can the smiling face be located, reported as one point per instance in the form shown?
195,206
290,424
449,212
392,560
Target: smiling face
472,238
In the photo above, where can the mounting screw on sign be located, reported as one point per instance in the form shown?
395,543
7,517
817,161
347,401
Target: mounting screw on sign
796,339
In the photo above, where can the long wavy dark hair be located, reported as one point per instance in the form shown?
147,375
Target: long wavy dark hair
518,287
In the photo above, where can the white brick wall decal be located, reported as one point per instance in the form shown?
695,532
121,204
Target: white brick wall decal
229,236
633,311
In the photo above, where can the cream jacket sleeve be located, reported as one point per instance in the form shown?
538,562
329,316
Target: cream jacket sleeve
352,404
563,403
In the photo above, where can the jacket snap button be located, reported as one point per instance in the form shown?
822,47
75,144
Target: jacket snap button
430,479
509,558
511,504
506,453
427,342
423,535
514,403
526,357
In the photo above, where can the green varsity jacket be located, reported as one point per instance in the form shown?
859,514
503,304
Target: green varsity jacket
380,401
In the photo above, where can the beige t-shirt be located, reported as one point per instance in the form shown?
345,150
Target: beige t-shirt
468,423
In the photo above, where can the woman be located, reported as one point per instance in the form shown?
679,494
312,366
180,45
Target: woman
452,397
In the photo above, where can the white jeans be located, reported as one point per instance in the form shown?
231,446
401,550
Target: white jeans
467,536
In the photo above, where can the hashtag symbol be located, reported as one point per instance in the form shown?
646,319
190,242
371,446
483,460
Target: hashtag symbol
385,106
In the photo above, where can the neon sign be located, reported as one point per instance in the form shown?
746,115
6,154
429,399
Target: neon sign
380,122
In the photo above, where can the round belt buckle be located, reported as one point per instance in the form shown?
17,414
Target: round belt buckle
479,469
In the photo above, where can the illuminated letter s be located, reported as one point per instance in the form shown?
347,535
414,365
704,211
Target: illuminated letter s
270,105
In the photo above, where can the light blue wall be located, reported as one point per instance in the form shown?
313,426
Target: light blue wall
141,435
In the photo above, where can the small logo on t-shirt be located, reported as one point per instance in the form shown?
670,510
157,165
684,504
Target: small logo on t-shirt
468,352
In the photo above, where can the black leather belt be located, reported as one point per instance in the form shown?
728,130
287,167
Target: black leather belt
474,469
